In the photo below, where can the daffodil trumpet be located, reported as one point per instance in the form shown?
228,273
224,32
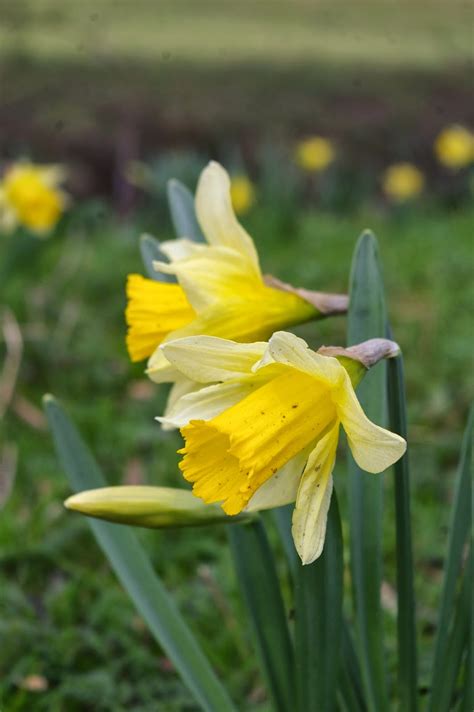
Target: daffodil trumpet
150,507
220,288
262,431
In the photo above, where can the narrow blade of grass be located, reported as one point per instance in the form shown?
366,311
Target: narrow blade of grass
257,576
135,573
406,624
183,214
318,629
460,526
367,319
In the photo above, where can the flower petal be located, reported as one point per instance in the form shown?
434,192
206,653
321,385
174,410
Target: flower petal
208,359
282,487
374,448
313,498
289,349
178,249
182,387
216,215
212,273
206,402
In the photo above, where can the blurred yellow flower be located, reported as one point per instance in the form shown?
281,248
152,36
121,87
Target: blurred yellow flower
242,194
402,181
30,196
315,154
454,147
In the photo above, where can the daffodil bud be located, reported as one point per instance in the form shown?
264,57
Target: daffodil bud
152,507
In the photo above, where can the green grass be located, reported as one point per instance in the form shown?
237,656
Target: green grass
431,33
62,614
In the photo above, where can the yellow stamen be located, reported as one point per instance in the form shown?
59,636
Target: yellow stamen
153,311
229,457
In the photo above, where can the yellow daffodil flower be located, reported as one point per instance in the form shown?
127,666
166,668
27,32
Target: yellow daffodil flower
315,154
221,290
30,196
242,194
402,181
265,431
454,147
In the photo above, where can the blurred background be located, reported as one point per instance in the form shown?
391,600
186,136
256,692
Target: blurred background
331,117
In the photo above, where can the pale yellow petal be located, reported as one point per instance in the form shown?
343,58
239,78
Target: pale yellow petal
289,349
208,359
160,370
374,448
216,215
206,402
282,487
179,249
183,386
213,274
313,498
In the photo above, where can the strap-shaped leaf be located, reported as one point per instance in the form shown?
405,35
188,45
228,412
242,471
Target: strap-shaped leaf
257,576
134,571
366,320
318,621
183,214
443,691
459,528
406,625
349,694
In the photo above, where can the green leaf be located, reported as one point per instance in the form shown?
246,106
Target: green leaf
406,624
459,528
183,214
150,251
350,693
282,518
367,319
257,576
444,687
318,622
135,573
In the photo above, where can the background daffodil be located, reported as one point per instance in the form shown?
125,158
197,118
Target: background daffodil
314,154
242,193
454,147
265,432
221,290
402,181
30,196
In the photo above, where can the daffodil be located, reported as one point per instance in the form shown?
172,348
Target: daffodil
242,193
220,288
454,147
265,431
30,196
314,154
402,182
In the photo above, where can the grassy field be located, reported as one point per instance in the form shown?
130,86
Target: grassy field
62,614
